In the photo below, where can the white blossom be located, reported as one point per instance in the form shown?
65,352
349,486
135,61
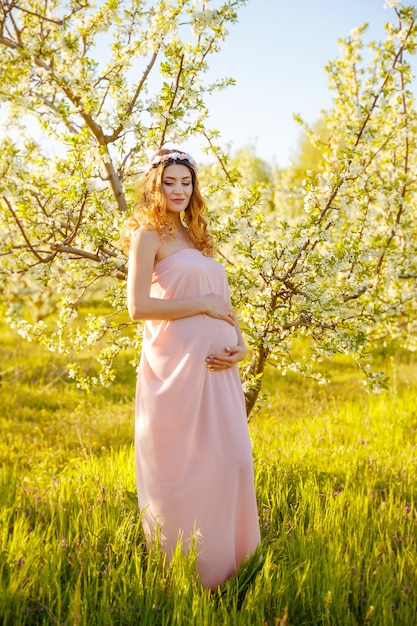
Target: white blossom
392,4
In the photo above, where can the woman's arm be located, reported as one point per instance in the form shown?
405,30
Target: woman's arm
143,251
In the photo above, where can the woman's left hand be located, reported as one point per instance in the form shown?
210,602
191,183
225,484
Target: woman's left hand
219,362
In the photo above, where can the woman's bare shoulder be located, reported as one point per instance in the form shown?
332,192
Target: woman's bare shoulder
146,233
145,240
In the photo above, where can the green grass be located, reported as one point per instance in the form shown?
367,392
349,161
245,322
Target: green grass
335,480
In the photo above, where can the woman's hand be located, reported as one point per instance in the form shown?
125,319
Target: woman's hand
220,309
220,362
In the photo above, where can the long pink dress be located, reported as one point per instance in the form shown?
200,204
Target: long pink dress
193,454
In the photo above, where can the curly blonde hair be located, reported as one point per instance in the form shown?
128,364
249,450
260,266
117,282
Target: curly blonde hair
151,209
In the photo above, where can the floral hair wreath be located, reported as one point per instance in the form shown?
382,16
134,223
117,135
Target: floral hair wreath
170,156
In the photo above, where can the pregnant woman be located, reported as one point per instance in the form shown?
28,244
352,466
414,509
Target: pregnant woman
192,449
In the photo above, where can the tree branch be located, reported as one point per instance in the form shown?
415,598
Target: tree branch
39,15
116,133
174,95
35,253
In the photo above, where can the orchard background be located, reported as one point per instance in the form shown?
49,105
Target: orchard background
322,260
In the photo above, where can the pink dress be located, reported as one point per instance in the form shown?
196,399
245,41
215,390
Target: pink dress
193,454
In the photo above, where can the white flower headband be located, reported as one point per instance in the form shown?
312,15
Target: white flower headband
170,156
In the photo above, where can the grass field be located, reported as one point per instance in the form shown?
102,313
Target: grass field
336,486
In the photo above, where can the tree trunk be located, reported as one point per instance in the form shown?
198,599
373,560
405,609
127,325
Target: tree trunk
255,369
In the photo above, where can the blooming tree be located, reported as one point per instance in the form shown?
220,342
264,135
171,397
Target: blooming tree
342,274
339,275
89,90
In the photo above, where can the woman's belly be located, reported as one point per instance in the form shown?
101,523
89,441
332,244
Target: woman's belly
191,339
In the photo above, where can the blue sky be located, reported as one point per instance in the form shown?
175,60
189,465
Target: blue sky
277,52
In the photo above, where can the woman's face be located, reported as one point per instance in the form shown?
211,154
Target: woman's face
177,186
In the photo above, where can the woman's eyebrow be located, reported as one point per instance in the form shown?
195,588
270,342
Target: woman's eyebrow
173,178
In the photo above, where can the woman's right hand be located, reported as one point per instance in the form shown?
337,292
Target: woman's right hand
220,309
